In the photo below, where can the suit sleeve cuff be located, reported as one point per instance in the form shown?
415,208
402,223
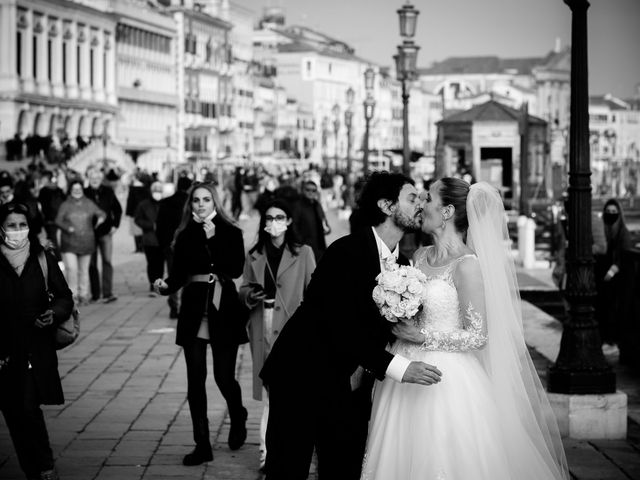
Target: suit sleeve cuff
397,367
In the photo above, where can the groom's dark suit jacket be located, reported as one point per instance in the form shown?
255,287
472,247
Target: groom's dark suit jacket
337,327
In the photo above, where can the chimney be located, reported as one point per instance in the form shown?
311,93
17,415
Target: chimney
558,45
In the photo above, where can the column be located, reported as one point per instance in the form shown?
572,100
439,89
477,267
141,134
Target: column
581,367
55,35
110,72
70,37
40,31
97,43
27,52
85,64
8,69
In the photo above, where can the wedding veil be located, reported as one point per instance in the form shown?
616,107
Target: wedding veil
520,397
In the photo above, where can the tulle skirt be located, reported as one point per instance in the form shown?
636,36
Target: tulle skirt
451,430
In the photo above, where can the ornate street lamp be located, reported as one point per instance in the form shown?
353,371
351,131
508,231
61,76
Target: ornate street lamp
348,116
336,128
408,16
369,106
580,367
406,71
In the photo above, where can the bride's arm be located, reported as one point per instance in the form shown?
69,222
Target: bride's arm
473,335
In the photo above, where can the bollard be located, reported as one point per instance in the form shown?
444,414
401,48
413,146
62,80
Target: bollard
527,241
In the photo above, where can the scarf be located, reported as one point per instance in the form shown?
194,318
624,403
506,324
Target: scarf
17,258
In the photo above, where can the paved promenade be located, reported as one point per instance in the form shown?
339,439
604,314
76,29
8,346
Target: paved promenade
126,415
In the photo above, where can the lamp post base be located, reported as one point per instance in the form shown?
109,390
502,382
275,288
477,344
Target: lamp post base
581,382
591,417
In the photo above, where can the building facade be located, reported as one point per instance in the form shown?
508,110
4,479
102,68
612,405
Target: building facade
57,77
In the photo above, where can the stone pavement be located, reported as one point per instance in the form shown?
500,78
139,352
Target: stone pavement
126,415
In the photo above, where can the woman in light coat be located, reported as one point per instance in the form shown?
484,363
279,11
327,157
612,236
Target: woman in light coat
276,273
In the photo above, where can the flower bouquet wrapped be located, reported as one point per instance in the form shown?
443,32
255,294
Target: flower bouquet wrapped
399,292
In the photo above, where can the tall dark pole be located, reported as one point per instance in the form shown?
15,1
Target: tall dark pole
524,160
406,150
580,367
365,156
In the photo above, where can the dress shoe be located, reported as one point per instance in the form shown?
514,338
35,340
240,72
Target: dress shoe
238,430
49,475
199,455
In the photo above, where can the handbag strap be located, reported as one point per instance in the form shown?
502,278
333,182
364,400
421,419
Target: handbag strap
275,283
42,260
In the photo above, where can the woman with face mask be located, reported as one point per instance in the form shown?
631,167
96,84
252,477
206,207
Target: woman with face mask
609,294
276,273
77,218
208,255
28,362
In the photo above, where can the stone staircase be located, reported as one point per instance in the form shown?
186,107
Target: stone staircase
109,155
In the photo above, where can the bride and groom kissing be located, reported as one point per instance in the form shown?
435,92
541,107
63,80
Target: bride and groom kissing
449,394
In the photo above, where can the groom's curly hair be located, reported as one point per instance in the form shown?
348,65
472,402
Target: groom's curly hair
379,185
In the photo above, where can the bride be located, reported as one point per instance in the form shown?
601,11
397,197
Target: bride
489,417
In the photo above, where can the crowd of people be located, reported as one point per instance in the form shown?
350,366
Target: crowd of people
234,253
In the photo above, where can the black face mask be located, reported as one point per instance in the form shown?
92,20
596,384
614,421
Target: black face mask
610,218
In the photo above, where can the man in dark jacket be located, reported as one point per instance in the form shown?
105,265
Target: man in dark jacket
105,198
169,216
50,198
146,216
138,191
310,220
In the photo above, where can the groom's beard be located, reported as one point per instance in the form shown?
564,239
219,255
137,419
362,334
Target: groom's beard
406,222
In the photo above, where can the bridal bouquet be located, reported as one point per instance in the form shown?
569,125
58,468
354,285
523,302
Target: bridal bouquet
399,292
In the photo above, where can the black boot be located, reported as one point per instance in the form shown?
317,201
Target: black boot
203,452
200,454
238,430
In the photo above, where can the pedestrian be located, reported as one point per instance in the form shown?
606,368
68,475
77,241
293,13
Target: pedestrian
76,218
105,198
618,239
276,273
169,215
208,255
138,191
50,198
146,216
28,363
311,221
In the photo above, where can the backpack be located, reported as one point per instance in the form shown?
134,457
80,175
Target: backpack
66,332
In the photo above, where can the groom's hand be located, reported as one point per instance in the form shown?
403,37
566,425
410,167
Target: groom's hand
421,373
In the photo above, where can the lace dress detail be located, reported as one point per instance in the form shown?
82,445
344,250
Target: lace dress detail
445,325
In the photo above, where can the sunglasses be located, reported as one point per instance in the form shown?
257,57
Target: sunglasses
277,218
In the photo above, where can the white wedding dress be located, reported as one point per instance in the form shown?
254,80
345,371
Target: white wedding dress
453,430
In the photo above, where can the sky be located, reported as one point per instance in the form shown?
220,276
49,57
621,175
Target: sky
506,28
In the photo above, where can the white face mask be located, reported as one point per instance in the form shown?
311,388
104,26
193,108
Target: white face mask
16,239
275,228
157,196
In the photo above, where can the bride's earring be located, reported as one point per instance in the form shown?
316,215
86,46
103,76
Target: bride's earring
444,222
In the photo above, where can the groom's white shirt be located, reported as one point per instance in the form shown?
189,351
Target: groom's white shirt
398,366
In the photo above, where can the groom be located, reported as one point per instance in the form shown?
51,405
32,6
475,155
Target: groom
319,397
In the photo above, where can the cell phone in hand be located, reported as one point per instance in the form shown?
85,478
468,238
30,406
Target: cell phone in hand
256,287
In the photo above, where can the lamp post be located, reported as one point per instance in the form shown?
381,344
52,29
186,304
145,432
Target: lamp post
406,72
580,367
348,116
336,128
369,106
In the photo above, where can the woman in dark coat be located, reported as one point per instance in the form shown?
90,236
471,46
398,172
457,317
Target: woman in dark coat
208,255
28,362
608,281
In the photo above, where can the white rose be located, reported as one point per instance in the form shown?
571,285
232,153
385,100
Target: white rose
414,287
392,298
378,294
